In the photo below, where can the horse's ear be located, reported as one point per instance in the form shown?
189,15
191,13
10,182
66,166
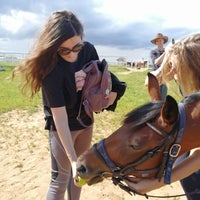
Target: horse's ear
169,111
153,88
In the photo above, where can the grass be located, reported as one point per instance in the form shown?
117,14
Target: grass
10,95
136,93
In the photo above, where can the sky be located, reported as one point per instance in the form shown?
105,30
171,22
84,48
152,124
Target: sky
117,28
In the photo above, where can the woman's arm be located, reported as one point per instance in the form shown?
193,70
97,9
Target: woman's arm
188,166
61,122
156,73
170,75
159,60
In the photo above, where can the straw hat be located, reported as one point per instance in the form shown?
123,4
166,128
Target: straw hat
159,36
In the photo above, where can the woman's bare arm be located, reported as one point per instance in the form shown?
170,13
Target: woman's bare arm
61,121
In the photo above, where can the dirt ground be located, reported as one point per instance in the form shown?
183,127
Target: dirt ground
25,163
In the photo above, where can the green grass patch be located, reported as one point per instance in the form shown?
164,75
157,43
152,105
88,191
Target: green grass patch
136,93
10,95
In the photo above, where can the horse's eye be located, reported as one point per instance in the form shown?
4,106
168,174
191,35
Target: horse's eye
137,142
136,145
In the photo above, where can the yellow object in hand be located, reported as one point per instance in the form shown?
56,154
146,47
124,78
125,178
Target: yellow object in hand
80,181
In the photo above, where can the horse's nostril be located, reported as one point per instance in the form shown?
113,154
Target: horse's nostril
81,169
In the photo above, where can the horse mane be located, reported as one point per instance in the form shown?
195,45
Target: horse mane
191,98
150,111
143,113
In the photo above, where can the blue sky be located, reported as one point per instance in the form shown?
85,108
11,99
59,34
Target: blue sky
116,28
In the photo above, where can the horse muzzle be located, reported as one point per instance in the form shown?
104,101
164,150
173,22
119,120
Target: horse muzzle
92,171
90,177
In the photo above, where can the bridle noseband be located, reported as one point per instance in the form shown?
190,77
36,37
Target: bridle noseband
170,146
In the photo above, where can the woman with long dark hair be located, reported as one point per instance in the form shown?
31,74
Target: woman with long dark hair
54,65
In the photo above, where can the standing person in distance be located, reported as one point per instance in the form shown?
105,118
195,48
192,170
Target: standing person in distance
54,66
157,56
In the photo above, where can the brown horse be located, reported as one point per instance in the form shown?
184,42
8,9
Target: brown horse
148,142
141,64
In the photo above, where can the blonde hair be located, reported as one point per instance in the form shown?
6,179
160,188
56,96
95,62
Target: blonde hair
184,56
60,26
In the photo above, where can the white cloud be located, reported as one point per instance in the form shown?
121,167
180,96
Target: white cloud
123,27
17,19
167,14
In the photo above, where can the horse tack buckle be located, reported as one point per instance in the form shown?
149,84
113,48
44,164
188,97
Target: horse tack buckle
174,150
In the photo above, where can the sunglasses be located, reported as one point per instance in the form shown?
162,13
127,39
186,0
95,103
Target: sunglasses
65,51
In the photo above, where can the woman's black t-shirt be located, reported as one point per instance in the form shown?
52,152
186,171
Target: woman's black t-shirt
59,89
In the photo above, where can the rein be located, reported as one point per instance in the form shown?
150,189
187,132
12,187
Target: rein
176,147
171,147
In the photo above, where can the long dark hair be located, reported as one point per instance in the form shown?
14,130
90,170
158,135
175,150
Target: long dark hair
61,26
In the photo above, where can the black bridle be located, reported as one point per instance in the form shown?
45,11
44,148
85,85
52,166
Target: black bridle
170,148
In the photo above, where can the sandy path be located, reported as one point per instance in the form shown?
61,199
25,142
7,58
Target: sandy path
25,163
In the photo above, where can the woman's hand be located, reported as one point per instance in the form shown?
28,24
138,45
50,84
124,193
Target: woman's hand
80,79
155,73
144,185
172,74
74,173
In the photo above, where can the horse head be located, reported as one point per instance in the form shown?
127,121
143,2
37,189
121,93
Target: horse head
142,145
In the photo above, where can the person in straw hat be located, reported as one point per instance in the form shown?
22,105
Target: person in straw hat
157,55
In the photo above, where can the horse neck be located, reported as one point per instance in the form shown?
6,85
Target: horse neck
191,137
